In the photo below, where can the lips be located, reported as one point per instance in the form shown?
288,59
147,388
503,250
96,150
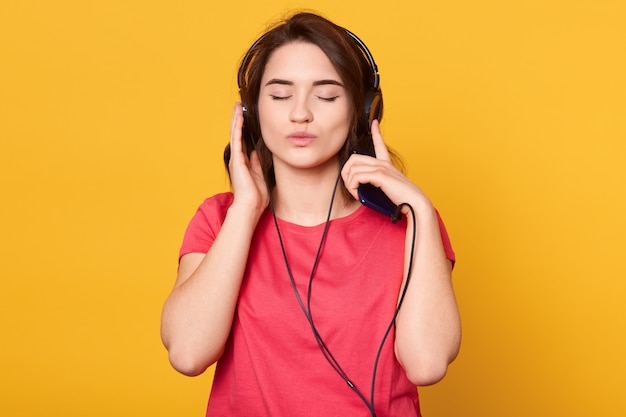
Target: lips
301,138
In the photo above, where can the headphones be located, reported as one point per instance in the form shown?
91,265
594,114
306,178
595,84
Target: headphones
372,105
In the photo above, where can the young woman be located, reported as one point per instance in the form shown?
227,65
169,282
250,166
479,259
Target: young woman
311,302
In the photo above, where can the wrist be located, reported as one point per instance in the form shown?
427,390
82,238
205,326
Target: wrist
422,207
244,212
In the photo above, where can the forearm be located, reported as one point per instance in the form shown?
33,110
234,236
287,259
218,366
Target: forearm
428,329
198,314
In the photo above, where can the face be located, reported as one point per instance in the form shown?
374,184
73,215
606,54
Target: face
304,109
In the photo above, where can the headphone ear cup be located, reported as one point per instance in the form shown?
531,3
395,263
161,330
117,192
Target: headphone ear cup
372,107
246,117
246,132
372,110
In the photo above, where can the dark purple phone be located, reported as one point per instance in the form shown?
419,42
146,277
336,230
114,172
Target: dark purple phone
373,197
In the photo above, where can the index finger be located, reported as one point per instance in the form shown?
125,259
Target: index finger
379,144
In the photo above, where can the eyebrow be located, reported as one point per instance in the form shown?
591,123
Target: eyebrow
315,83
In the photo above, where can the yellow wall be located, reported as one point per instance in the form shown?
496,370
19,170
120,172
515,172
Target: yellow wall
511,115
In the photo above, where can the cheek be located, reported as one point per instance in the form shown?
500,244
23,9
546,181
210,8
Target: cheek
343,124
267,121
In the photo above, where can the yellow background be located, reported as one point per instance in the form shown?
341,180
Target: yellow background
510,115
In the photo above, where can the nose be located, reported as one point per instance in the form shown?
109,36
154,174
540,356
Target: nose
301,112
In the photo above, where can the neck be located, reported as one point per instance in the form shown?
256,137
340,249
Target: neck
304,198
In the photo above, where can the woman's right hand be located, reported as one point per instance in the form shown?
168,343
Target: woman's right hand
197,317
249,186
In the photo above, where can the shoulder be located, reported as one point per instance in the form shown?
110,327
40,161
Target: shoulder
372,221
206,223
216,205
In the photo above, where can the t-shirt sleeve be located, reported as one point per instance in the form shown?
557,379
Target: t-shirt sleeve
205,224
445,239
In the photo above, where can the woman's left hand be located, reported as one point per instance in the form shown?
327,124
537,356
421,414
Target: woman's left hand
381,173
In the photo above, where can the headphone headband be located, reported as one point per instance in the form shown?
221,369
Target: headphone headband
369,57
241,75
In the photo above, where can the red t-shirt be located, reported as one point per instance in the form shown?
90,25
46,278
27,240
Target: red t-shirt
272,365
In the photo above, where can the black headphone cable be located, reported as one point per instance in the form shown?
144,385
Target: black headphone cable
307,309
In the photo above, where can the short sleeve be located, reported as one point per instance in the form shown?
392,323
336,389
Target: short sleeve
205,224
445,239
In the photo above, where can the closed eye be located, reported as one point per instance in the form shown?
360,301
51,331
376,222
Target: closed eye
329,99
279,97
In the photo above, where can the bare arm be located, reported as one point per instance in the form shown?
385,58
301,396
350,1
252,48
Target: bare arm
428,329
198,314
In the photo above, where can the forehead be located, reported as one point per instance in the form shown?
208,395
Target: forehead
299,61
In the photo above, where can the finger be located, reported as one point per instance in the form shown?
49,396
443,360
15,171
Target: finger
255,164
379,144
347,178
236,125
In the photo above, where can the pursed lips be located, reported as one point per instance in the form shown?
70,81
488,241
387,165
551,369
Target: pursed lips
301,138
